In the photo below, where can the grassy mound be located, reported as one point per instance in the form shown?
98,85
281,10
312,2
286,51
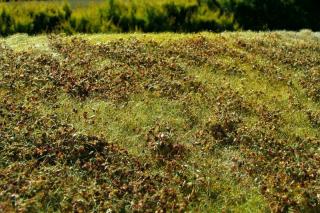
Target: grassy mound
160,122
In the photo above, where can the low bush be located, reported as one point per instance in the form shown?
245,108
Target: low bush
111,16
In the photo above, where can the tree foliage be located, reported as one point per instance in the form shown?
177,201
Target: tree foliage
274,14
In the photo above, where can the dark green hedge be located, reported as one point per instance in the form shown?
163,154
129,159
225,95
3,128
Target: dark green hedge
112,16
139,15
274,14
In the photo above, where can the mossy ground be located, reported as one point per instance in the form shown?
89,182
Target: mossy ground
160,122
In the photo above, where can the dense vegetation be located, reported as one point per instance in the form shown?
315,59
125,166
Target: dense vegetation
158,16
275,14
112,16
169,122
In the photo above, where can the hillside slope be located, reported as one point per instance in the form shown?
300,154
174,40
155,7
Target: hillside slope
168,122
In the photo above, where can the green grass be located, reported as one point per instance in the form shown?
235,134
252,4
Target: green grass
170,122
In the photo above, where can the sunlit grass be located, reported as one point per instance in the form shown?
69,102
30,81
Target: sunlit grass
228,173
